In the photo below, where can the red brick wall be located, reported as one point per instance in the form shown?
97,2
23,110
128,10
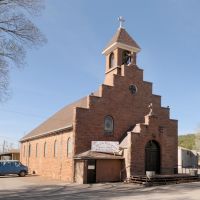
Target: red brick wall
167,141
59,167
127,110
80,171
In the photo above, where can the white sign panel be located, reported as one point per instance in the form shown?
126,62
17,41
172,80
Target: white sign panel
105,146
91,166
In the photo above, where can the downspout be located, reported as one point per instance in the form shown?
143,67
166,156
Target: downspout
73,141
61,155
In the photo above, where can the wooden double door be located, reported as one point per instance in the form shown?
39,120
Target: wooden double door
152,156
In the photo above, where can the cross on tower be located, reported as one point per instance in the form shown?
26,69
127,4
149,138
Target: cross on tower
121,21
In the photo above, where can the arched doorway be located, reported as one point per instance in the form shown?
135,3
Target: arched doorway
152,156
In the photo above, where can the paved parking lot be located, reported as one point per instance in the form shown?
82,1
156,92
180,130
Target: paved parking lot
35,187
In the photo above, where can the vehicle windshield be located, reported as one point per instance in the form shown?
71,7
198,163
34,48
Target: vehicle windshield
18,163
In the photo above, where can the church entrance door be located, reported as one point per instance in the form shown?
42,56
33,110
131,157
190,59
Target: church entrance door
152,156
91,171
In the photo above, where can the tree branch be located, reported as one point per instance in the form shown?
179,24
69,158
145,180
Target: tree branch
17,33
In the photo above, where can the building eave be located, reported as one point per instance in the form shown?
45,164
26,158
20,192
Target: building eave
120,45
69,127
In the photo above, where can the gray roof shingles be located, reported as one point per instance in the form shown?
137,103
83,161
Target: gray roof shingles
60,119
97,155
123,37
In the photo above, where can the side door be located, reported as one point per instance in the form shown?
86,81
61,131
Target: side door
14,168
1,168
17,167
91,171
6,167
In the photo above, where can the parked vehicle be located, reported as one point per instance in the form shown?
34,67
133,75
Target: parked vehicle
13,167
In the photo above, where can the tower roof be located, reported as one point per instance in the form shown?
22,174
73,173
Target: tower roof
122,37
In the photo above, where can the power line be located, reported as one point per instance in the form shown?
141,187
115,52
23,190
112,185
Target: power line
22,113
26,91
8,138
30,115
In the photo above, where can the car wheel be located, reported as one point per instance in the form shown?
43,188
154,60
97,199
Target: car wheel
22,174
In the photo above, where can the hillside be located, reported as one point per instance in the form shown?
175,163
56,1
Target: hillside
187,141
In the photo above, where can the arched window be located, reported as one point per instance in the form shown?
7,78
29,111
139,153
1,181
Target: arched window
69,147
111,60
55,149
29,150
126,58
24,153
45,149
108,124
36,150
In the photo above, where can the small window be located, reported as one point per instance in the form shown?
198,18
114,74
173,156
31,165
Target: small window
111,60
36,150
69,147
8,164
45,149
55,149
108,124
17,164
29,150
161,129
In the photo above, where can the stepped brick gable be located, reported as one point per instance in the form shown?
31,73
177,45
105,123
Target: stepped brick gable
123,110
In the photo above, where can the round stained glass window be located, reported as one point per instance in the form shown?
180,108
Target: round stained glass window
133,89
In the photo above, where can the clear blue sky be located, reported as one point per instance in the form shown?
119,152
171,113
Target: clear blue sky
71,65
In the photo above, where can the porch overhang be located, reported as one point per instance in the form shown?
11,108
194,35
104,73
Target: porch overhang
87,155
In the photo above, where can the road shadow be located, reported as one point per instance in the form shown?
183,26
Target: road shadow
95,191
17,176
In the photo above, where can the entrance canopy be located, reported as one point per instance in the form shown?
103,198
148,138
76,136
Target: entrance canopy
97,155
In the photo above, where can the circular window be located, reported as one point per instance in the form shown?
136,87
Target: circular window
133,89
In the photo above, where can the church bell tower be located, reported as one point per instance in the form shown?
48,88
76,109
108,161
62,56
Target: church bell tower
121,50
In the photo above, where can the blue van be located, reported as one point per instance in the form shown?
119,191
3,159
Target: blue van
12,167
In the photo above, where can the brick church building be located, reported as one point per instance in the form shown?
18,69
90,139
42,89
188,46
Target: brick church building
115,132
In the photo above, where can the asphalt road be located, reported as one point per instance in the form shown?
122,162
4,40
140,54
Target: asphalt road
35,187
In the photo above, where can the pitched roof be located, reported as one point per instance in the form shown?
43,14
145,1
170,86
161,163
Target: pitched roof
12,151
97,155
122,36
61,119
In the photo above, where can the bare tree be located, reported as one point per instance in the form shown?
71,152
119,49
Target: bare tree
17,33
